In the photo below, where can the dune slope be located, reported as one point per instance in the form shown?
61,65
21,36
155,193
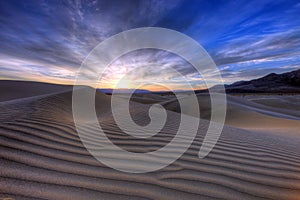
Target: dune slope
274,114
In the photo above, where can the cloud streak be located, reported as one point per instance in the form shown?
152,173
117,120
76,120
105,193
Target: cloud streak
48,40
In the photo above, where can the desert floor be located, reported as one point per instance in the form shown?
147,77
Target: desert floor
42,156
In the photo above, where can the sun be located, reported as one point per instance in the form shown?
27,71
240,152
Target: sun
124,83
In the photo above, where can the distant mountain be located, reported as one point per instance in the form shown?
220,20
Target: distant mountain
272,83
124,91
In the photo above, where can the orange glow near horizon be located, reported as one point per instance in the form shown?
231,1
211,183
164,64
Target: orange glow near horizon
124,84
128,84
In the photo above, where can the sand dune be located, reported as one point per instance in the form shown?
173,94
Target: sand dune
42,157
254,112
20,89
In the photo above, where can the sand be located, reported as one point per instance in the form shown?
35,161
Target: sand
42,156
20,89
272,113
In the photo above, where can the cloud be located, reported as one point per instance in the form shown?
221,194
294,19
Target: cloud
281,44
65,33
50,39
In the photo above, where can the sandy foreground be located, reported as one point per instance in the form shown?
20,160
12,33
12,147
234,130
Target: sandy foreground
42,156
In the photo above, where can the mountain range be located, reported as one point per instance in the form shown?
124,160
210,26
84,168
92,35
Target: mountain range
288,82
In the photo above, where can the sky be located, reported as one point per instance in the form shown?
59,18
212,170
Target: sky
48,40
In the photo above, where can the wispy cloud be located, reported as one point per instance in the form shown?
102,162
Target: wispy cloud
49,40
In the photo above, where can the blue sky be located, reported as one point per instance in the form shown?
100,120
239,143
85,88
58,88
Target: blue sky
48,40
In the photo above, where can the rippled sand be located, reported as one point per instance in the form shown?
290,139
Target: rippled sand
42,156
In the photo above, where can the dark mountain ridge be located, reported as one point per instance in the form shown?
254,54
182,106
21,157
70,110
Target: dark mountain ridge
288,82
